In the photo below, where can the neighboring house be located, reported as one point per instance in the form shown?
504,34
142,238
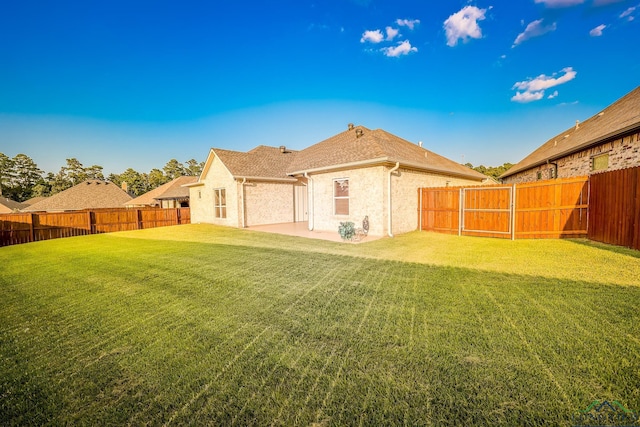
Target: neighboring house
91,194
32,200
607,141
357,173
9,206
169,195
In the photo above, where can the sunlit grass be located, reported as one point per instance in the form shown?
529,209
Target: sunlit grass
206,325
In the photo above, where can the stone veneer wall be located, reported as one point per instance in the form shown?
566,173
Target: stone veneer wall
623,153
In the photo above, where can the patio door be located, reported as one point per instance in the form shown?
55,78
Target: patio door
300,204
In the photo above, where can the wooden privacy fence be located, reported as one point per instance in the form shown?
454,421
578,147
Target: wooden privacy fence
32,227
544,209
614,208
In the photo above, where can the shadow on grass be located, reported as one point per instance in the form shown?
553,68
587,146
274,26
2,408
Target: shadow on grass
607,247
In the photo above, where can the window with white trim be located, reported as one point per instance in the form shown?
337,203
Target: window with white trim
341,196
220,203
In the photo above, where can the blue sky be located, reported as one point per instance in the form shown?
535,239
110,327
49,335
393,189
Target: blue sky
135,83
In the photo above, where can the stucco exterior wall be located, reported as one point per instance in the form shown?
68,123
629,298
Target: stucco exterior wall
202,196
623,153
268,203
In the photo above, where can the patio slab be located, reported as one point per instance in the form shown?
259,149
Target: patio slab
301,229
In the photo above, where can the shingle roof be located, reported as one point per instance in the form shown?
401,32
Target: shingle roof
8,205
170,190
33,200
360,145
91,194
261,162
623,116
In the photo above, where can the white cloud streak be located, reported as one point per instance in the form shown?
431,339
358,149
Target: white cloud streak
597,31
463,25
374,36
627,13
560,3
410,23
534,29
402,48
533,89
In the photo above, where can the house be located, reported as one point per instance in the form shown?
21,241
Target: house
9,206
172,194
356,173
607,141
91,194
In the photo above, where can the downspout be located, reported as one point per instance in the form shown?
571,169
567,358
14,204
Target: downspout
244,220
310,202
389,224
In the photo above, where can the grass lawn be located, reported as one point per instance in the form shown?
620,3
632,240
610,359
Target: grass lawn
199,324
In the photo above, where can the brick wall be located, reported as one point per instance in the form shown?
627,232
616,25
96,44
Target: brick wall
623,153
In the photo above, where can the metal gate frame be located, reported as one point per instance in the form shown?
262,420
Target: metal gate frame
510,210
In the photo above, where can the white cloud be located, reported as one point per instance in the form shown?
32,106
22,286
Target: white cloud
407,22
524,97
553,95
391,33
597,31
403,48
533,89
374,36
534,29
560,3
627,13
463,25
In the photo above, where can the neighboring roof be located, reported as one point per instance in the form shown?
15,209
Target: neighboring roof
262,162
91,194
33,200
359,146
620,118
171,190
8,205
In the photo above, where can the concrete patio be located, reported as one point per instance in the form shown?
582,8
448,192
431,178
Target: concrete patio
301,229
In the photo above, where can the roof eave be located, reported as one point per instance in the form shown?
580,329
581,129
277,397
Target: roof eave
349,165
600,140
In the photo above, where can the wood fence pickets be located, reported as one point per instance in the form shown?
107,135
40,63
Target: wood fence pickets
614,215
31,227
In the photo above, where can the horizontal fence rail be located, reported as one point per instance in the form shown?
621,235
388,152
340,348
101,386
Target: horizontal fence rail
32,227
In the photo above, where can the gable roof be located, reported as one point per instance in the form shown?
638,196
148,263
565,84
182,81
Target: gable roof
91,194
263,162
8,205
359,146
171,190
33,200
620,118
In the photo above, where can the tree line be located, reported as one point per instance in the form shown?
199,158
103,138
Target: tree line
492,171
21,178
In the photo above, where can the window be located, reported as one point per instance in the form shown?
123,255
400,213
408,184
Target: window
220,203
600,162
341,196
539,175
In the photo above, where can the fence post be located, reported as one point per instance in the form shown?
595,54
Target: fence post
138,219
460,210
32,235
89,222
513,211
177,212
420,208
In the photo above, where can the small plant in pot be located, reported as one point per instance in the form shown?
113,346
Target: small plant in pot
347,230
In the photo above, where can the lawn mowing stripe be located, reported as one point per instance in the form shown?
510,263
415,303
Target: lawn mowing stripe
312,390
305,372
265,379
526,343
323,280
206,387
374,297
332,387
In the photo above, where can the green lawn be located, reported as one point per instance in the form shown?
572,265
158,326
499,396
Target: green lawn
199,324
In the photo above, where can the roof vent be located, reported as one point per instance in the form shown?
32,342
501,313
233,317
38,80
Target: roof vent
283,149
420,143
350,126
577,124
359,133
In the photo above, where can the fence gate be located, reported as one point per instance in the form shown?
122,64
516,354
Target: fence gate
487,211
542,209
